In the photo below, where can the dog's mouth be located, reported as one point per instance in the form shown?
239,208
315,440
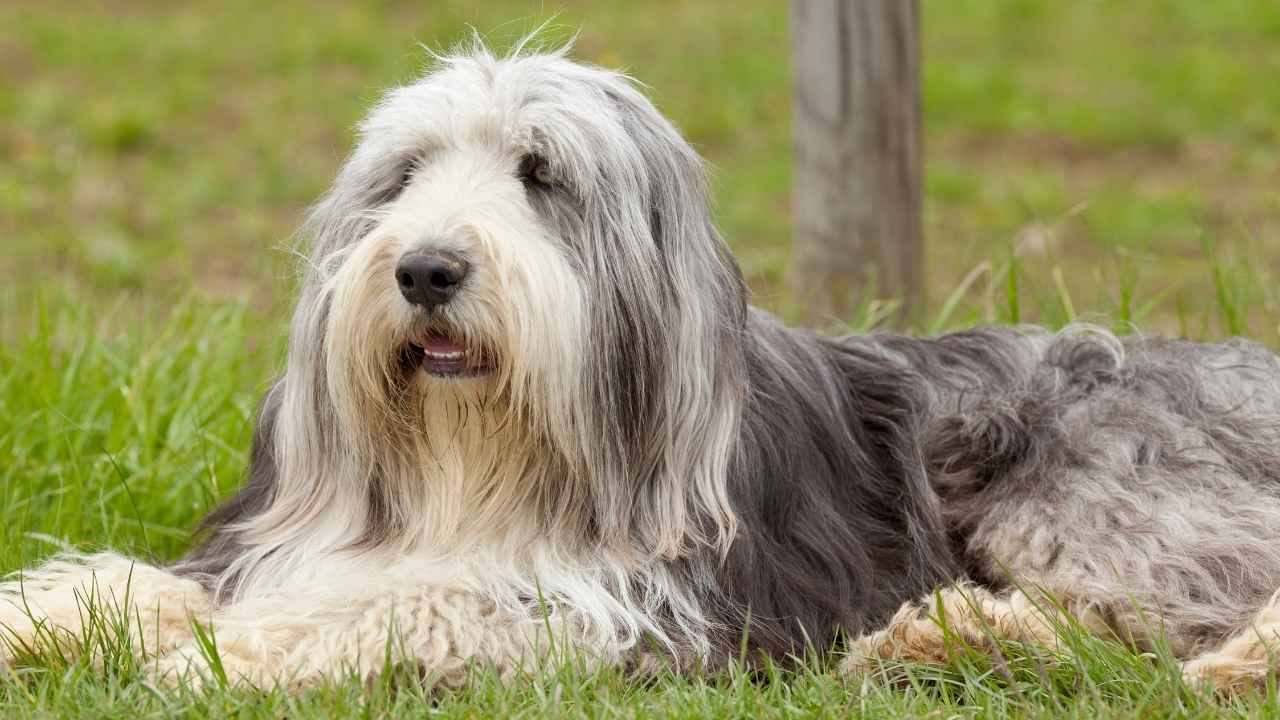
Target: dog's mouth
441,355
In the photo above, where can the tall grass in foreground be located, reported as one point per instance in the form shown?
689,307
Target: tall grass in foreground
126,439
122,438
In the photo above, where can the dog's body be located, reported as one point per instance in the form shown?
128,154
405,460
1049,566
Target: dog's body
526,400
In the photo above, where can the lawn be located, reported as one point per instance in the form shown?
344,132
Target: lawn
1112,161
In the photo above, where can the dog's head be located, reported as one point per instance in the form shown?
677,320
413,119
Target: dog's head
525,241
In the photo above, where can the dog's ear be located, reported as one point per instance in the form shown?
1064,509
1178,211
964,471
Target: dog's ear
678,198
670,307
220,544
678,210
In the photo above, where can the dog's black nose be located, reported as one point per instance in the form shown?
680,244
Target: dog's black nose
431,278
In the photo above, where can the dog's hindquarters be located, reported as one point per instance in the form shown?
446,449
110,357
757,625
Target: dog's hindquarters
1135,486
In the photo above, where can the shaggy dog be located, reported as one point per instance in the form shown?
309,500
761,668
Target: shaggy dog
526,401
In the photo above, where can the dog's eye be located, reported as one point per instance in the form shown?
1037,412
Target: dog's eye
406,177
534,170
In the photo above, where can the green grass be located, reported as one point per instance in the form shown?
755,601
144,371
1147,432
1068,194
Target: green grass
1103,160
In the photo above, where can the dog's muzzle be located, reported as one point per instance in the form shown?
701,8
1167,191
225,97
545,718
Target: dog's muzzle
429,280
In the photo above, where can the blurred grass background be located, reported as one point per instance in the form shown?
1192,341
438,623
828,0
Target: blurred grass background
1112,149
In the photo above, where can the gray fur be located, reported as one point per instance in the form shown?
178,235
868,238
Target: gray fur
1142,476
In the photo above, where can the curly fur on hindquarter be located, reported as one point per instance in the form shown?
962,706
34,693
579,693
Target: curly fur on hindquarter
1136,481
593,435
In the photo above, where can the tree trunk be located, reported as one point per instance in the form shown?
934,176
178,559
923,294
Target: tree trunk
857,168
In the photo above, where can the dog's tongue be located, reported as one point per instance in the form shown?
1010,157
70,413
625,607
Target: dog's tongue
437,344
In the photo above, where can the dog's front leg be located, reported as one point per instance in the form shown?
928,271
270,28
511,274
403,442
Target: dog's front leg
298,639
90,602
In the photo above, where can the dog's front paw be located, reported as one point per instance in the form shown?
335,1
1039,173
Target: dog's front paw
19,631
189,666
1225,673
194,667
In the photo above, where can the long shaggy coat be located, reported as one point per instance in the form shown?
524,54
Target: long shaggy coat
587,432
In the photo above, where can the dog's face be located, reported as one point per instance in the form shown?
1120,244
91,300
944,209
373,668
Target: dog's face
467,277
518,248
523,231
